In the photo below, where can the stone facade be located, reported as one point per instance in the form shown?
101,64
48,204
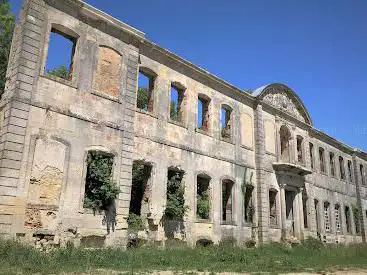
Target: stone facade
279,184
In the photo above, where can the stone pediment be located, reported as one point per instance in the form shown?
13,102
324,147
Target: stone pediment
284,99
282,102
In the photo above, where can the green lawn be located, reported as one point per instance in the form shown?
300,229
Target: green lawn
312,256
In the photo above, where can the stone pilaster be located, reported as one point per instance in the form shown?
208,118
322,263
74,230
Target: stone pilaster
262,190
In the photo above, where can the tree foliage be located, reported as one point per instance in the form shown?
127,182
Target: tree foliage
100,189
203,204
173,111
175,208
7,23
61,72
142,99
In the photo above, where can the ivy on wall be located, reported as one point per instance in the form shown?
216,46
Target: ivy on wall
100,189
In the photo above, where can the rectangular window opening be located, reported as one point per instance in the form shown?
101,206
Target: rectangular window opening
341,168
176,103
60,56
300,149
203,114
140,194
327,216
311,156
144,100
203,197
226,121
305,212
227,201
273,208
347,219
249,208
332,164
317,215
175,205
350,171
322,160
337,218
99,171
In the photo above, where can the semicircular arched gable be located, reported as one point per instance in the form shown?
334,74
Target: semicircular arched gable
283,98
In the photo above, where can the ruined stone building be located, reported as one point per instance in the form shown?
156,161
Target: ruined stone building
266,173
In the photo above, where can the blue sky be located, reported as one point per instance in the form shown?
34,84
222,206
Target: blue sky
318,48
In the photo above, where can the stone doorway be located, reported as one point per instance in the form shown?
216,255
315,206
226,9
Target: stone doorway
290,212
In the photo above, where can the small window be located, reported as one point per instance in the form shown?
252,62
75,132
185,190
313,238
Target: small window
285,137
60,57
145,98
300,149
317,215
332,164
341,168
361,169
322,159
203,197
273,208
327,217
227,201
350,171
347,219
176,103
311,156
203,113
226,122
337,218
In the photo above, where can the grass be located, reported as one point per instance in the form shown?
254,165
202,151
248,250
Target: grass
312,256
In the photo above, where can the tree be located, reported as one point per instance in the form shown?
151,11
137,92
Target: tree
143,98
61,72
7,23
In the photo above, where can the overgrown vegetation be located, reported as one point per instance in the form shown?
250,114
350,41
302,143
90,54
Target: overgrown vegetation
7,23
142,99
309,257
61,72
100,189
175,207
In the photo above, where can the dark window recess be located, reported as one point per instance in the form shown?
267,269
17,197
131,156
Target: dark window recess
273,208
311,156
322,160
332,164
341,168
60,57
249,207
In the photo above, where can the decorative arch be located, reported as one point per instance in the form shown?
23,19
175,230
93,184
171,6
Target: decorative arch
285,99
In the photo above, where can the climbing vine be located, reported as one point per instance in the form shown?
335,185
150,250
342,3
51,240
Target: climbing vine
175,208
100,189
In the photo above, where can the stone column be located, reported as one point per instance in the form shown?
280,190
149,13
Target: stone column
300,213
283,216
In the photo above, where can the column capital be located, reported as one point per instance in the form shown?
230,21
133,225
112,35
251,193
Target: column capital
282,185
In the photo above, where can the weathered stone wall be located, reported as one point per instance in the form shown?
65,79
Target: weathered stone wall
49,124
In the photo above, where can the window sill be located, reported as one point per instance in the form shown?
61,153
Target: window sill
203,221
228,223
227,140
270,153
106,96
274,227
60,80
203,132
247,148
248,224
177,123
141,111
90,211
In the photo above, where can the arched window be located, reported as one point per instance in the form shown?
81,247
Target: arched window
285,136
177,102
361,169
350,171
